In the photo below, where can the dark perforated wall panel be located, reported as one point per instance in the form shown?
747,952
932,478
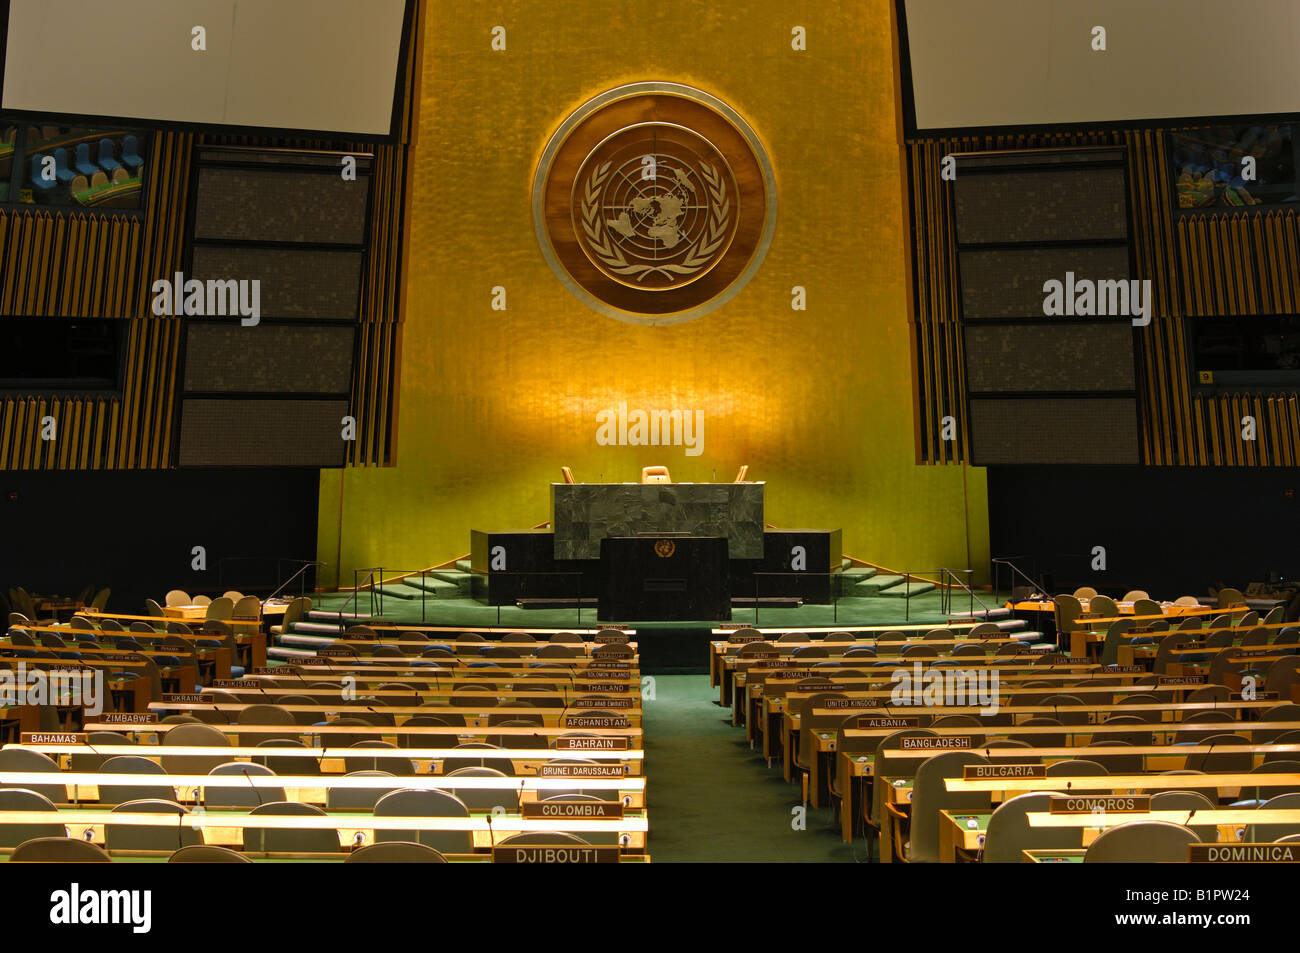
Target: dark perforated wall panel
1053,430
284,433
269,358
1030,357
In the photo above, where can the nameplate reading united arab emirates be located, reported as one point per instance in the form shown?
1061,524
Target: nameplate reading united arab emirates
624,702
1100,804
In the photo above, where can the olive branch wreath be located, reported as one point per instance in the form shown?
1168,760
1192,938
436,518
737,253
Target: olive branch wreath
606,249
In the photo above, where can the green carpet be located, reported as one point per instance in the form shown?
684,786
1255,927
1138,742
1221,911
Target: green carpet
710,798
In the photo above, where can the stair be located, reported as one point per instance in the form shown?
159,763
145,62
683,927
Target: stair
874,584
906,590
463,565
398,590
848,579
438,586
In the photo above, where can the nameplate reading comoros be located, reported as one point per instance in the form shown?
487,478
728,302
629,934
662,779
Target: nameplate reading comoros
182,699
624,702
233,683
601,687
874,721
582,771
53,737
1180,680
599,810
611,638
976,772
595,721
1099,804
558,854
590,744
1243,853
130,718
921,744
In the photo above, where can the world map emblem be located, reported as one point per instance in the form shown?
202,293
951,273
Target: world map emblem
654,203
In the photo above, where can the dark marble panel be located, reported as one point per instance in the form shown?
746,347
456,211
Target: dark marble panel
583,514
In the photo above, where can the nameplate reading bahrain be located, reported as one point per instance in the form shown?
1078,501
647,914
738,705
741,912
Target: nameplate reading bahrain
975,772
591,744
53,737
557,854
1243,853
583,771
921,744
542,810
130,718
595,721
1099,804
877,722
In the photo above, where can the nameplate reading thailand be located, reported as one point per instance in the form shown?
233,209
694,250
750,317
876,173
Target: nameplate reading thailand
559,854
602,686
542,810
975,772
583,771
925,744
53,737
1100,804
877,722
590,744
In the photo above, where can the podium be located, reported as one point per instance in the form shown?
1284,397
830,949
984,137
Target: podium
663,578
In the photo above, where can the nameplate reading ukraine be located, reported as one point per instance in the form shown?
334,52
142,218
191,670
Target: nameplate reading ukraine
183,699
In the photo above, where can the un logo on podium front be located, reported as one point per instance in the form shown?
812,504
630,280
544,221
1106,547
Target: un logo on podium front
664,548
654,203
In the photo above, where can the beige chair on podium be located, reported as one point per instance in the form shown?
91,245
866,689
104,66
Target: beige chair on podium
655,475
568,475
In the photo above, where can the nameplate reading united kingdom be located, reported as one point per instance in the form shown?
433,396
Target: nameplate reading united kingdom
925,744
597,810
1100,804
53,737
591,744
974,772
833,703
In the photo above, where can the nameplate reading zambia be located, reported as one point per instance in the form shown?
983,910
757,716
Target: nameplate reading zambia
924,744
599,810
557,854
53,737
181,699
873,721
590,744
583,771
1100,804
130,718
595,721
1244,853
975,772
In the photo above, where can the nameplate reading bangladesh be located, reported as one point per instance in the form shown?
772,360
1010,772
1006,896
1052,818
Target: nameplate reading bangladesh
873,721
557,854
181,699
599,810
595,721
1243,853
1099,804
590,744
53,737
974,772
926,744
130,718
583,771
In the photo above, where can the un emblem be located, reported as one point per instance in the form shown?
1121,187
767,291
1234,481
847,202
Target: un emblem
664,548
654,203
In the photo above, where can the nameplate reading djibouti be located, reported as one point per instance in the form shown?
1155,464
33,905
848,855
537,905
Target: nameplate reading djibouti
590,744
1100,804
975,772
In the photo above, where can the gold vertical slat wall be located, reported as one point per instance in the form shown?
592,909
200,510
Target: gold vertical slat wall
1199,264
57,262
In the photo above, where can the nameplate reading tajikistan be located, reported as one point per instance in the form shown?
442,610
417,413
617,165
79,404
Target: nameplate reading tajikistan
53,737
876,722
182,699
595,721
1100,804
541,810
590,744
583,771
130,718
232,683
974,772
925,744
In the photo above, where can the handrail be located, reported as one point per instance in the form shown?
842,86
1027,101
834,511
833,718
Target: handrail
306,564
947,607
996,561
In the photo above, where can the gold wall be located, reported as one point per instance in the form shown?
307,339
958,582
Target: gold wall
818,402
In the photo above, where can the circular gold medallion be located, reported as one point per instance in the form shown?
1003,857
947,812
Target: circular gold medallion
664,548
654,203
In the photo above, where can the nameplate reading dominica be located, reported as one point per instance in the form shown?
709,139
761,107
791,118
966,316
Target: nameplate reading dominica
598,810
53,737
185,699
873,721
925,744
1100,804
583,771
130,718
590,744
595,721
974,772
1243,853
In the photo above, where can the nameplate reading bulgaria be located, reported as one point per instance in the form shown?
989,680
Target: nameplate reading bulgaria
1099,804
925,744
542,810
975,772
591,744
583,771
53,738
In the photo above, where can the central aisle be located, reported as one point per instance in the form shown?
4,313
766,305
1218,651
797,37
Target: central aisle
713,799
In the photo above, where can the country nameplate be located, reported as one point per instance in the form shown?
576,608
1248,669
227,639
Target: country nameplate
596,810
976,772
1099,804
927,744
53,737
591,744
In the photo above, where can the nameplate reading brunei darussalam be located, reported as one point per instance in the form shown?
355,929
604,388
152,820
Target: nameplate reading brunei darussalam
654,203
1099,804
974,772
582,771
